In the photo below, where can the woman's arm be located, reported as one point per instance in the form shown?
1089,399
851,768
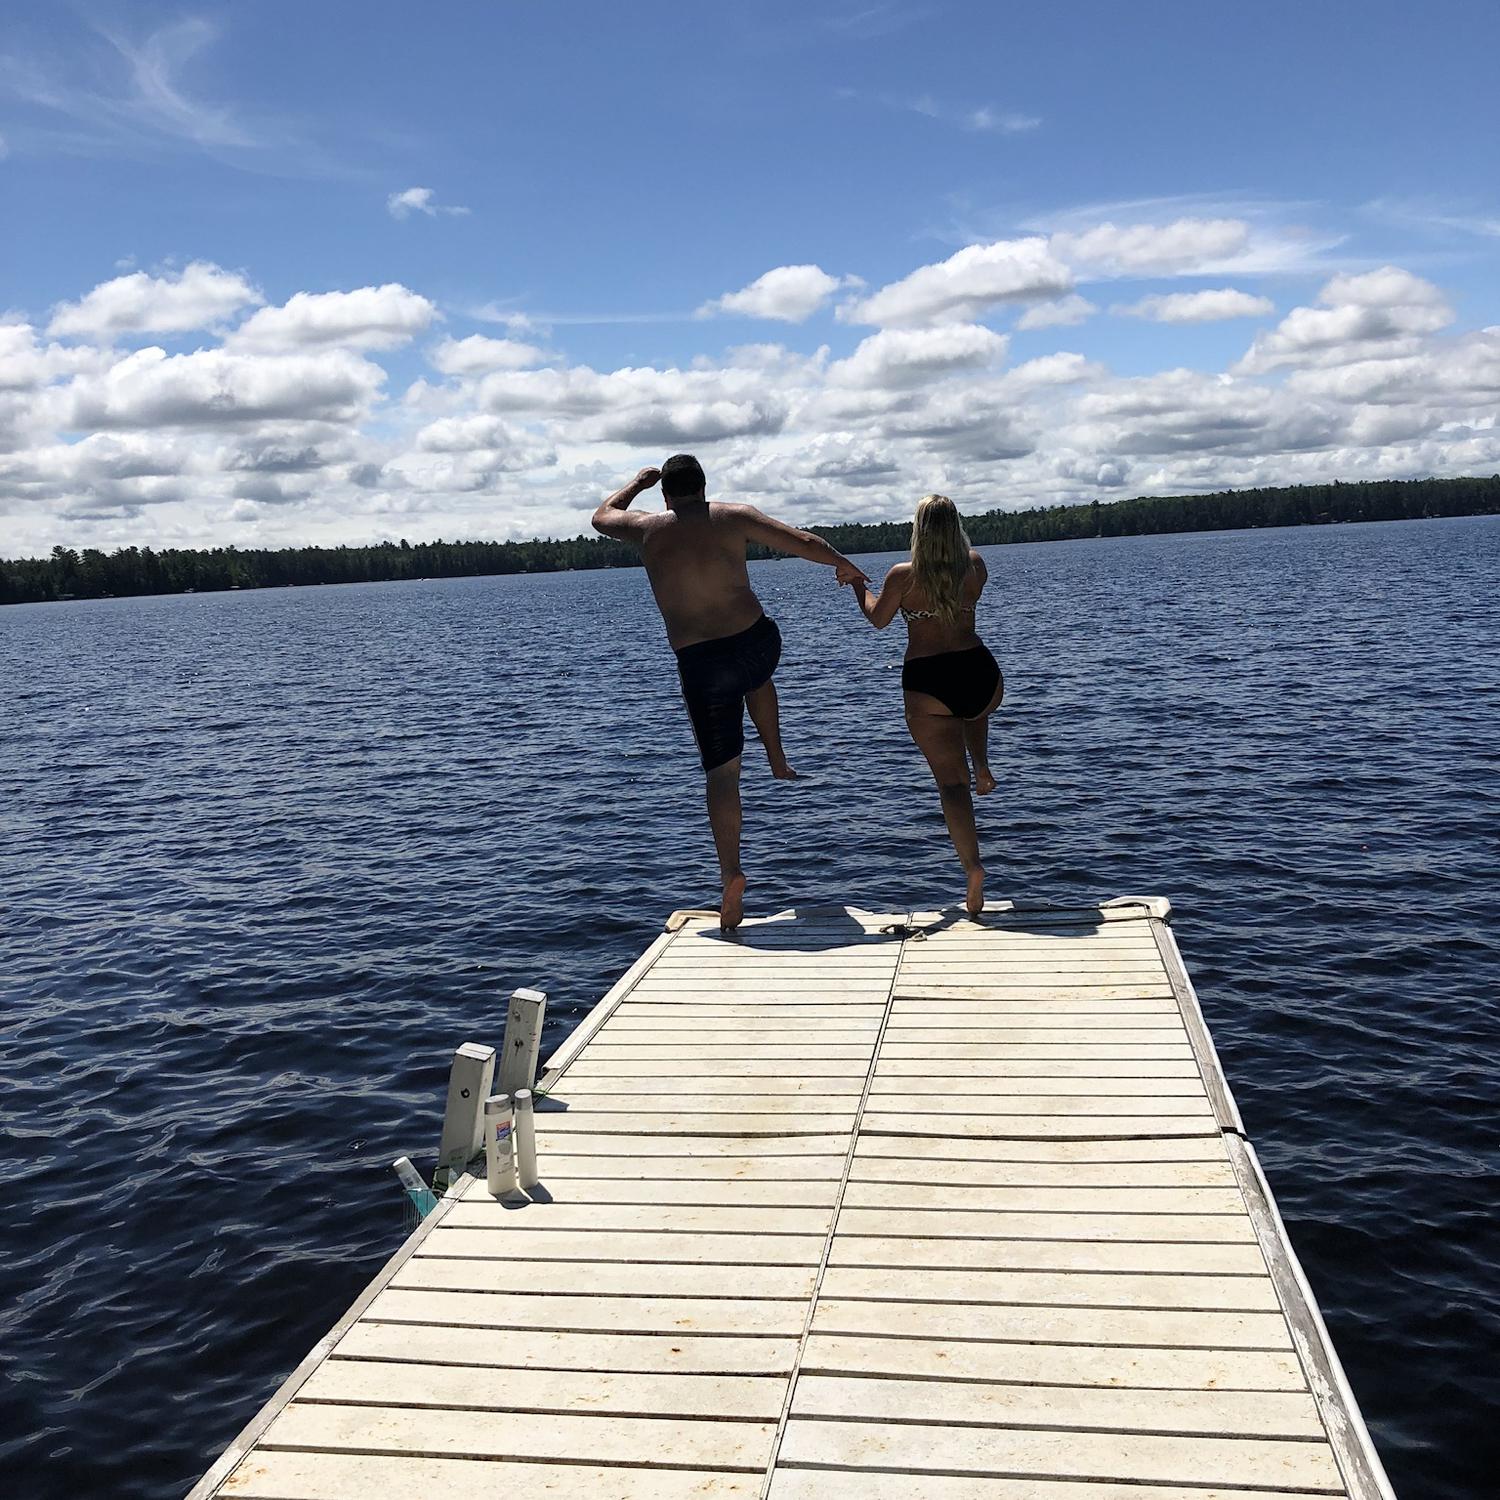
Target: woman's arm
880,609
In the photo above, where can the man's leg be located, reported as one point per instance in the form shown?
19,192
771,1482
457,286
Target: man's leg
724,816
765,714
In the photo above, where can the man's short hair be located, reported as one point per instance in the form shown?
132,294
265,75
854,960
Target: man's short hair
681,476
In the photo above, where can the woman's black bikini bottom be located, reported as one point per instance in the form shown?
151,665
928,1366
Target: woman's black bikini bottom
962,681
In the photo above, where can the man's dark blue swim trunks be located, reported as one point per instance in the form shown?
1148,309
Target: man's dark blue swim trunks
716,675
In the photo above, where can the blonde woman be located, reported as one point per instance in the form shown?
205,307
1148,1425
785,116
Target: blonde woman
951,682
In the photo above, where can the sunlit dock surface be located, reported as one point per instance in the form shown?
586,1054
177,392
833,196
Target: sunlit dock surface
858,1206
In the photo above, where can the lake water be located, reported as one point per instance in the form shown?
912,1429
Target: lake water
267,857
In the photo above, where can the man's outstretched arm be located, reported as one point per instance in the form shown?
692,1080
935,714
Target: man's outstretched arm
770,532
613,518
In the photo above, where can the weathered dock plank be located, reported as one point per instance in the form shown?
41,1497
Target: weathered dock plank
363,1382
951,1403
851,1206
437,1270
533,1349
1118,1366
1039,1253
865,1484
1263,1463
273,1474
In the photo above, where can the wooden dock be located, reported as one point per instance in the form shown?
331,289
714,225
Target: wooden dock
852,1207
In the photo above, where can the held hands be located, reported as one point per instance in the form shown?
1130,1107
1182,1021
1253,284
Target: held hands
846,572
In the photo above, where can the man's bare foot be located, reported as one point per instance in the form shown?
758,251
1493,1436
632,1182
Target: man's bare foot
984,780
974,904
732,909
782,771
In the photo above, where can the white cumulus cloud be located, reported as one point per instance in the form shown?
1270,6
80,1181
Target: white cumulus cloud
420,200
478,355
373,317
281,430
1142,249
897,357
1062,368
787,294
201,295
966,285
1065,312
26,364
1376,312
214,388
1211,306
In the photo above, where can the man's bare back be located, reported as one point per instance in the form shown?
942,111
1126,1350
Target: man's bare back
695,560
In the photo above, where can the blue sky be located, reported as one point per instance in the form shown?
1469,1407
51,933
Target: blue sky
273,273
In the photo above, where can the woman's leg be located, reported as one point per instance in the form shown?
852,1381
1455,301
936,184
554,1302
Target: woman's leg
940,737
977,743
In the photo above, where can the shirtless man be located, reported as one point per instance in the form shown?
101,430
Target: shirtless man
727,648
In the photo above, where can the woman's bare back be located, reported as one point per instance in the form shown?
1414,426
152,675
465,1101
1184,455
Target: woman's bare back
930,635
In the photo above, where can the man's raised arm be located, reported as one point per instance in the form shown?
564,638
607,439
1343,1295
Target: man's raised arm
770,532
612,517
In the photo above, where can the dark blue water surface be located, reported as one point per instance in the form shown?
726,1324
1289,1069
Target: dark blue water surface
267,857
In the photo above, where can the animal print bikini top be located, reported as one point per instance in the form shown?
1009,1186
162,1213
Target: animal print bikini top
931,614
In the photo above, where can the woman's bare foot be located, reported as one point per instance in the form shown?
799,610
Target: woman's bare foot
732,908
781,770
974,904
984,781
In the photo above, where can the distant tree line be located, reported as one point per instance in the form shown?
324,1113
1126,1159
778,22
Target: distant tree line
1229,510
92,574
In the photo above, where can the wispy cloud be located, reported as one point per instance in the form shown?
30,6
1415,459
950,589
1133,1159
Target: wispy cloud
126,94
983,118
980,119
868,22
1420,213
157,98
133,88
420,200
515,321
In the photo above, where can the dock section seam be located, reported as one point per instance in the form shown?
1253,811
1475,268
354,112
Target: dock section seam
833,1222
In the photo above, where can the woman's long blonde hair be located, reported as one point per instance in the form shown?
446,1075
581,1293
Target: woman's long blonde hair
940,556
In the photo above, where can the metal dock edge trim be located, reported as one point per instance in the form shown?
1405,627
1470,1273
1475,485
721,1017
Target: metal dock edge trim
250,1434
1220,1095
593,1019
1353,1449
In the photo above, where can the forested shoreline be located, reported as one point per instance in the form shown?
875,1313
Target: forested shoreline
92,574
